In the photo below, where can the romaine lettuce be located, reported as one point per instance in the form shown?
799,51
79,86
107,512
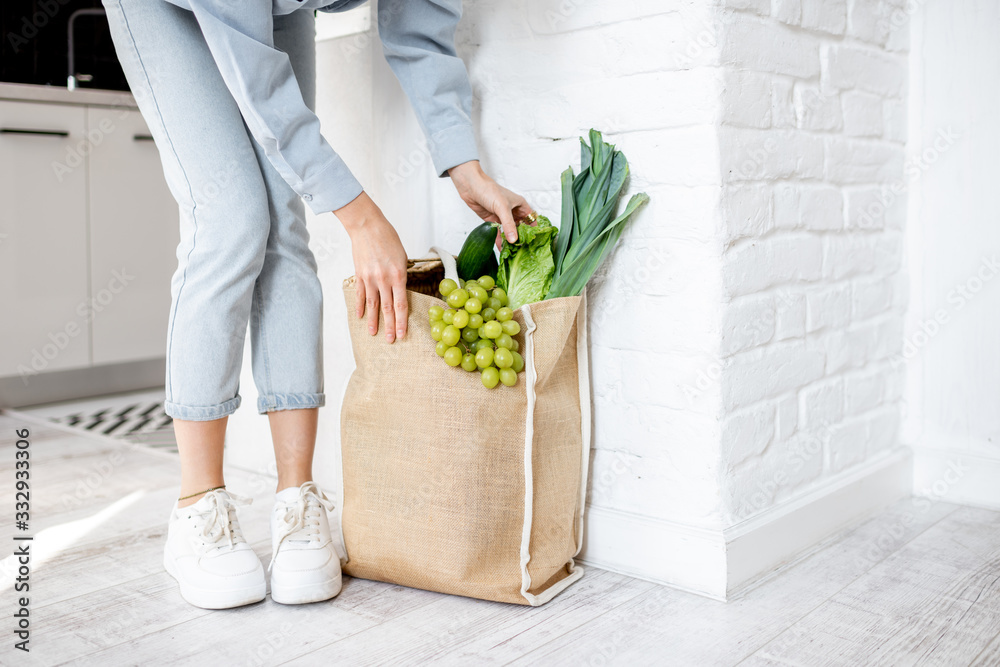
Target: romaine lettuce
526,267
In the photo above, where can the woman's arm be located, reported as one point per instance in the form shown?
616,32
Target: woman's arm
240,36
418,40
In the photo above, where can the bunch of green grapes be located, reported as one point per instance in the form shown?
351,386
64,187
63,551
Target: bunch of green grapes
477,330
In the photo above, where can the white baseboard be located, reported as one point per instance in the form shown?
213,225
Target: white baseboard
956,477
719,563
664,552
781,533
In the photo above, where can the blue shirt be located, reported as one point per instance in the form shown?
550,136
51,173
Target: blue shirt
418,40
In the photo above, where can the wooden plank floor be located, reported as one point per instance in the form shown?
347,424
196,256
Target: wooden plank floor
919,584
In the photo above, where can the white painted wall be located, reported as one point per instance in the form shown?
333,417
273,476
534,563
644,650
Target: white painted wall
953,328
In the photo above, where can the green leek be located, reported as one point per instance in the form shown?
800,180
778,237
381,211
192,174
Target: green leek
589,228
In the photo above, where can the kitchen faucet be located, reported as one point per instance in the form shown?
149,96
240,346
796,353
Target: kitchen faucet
71,65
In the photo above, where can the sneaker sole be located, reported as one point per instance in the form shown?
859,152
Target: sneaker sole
307,593
215,599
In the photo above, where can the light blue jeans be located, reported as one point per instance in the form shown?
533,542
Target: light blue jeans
243,254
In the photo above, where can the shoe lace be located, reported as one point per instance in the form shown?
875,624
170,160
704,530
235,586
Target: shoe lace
301,517
220,519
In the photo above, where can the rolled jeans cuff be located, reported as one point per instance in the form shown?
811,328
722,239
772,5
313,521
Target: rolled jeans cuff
273,402
202,412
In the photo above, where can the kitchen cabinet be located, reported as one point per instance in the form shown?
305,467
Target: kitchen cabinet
88,236
133,239
44,274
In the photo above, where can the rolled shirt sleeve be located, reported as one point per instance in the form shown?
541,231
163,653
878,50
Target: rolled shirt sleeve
418,40
260,78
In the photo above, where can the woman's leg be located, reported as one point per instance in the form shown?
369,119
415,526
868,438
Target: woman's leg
287,337
294,435
287,312
200,445
212,171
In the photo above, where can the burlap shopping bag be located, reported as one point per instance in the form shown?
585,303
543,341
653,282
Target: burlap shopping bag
452,487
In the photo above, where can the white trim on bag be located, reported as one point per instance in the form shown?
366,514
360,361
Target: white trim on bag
344,556
583,381
447,261
576,571
531,376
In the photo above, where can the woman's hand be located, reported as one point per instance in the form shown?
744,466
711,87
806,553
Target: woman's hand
489,200
379,266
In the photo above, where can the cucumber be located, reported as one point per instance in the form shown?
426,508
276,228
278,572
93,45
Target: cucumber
477,257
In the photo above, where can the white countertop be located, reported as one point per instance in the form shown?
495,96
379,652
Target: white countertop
60,95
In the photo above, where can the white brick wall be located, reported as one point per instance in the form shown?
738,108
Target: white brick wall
749,298
637,71
817,266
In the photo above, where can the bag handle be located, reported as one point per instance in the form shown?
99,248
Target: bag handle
448,260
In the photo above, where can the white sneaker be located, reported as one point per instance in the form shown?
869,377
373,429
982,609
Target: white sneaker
305,566
207,555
